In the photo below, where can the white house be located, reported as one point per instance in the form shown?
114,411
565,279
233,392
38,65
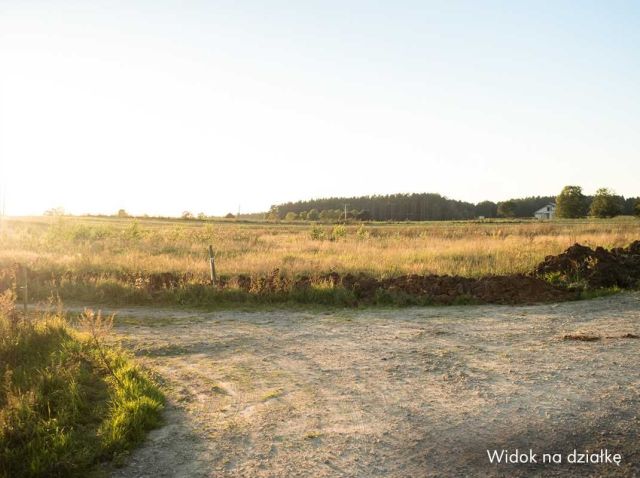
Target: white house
547,212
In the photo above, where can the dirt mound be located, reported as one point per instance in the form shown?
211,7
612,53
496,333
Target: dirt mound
581,337
512,289
517,289
594,268
630,336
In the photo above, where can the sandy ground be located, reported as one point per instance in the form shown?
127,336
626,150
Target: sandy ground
389,393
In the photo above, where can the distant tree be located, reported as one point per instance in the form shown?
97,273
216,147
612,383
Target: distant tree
571,203
187,215
303,215
606,204
229,216
202,216
291,216
629,208
313,215
123,213
55,211
507,208
353,213
364,215
275,213
637,208
486,209
331,214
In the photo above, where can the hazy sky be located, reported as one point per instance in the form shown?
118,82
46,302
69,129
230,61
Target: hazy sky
164,106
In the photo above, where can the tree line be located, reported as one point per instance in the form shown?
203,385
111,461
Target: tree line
571,203
435,207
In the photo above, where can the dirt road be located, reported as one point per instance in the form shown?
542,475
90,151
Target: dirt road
389,393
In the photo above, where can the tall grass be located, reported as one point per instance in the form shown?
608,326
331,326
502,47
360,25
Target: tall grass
67,401
90,256
464,248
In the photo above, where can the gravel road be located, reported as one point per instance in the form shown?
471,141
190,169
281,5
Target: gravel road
420,392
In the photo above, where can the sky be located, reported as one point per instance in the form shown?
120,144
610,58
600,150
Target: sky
161,107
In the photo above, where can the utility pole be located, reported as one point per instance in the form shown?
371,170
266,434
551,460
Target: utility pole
345,213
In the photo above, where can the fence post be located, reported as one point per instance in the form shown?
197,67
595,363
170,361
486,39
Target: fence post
212,265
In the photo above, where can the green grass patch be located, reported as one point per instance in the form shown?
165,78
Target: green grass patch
271,394
595,293
67,402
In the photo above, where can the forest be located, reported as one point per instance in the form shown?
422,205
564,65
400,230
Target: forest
418,207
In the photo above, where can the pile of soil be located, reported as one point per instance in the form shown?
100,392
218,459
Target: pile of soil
618,267
511,289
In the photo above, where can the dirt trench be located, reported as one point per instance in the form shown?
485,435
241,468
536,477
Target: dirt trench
389,393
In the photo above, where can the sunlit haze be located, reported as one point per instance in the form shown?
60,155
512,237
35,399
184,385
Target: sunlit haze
162,107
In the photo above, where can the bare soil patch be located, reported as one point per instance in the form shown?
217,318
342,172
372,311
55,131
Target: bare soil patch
389,393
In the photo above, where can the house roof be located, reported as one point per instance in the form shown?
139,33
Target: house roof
544,208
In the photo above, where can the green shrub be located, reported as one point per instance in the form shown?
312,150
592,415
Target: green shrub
317,233
362,232
338,232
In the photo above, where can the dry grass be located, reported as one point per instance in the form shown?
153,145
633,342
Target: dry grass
469,249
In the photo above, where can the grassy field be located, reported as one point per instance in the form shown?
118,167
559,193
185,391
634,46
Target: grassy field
104,250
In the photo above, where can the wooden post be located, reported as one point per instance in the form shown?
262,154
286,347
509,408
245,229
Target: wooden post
25,289
212,265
